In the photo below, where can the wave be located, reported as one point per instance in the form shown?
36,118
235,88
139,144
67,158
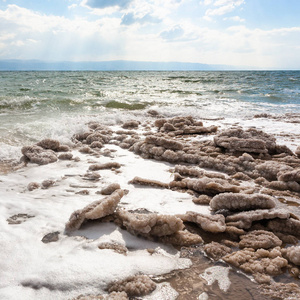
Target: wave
123,105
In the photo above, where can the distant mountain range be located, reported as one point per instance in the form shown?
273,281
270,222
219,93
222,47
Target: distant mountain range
114,65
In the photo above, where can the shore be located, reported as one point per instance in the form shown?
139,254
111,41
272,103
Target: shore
202,209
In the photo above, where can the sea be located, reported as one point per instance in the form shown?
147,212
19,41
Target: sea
49,104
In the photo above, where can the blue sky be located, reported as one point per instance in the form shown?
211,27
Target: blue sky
254,33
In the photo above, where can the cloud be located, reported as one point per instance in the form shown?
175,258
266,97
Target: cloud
173,33
131,18
107,3
235,19
223,7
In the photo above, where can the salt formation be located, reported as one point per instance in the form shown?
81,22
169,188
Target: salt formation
287,225
244,219
211,223
216,250
131,124
109,165
261,261
49,144
240,201
114,246
110,189
183,125
259,239
134,286
95,210
292,254
149,182
33,186
251,140
210,186
149,224
290,176
39,155
182,238
280,290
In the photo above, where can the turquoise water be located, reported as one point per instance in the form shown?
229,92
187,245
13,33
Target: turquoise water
38,104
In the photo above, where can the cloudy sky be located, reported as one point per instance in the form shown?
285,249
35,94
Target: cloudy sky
254,33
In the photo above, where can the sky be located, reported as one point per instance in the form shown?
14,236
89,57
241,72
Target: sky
253,33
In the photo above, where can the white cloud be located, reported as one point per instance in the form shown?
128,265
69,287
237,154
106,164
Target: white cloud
223,7
235,19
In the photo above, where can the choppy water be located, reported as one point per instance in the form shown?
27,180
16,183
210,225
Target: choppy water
34,105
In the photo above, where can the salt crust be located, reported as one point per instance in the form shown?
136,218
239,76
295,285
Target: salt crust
259,239
212,223
244,219
261,261
219,274
293,254
216,250
150,224
241,202
280,290
95,210
138,285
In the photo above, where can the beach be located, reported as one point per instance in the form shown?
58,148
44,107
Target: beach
185,184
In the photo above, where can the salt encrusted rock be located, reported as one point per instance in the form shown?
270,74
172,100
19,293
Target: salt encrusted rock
271,169
49,144
216,250
244,219
281,291
287,225
240,201
33,186
290,176
63,148
65,156
209,185
51,237
85,149
18,219
39,155
114,246
95,210
47,183
297,152
149,182
196,172
110,189
202,199
93,176
166,143
260,261
150,224
81,137
131,124
96,137
134,286
182,239
96,144
292,254
251,140
259,239
109,165
211,223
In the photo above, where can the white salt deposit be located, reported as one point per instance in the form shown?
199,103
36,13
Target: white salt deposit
74,265
219,274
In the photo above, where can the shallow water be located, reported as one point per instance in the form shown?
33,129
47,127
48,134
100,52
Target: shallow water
35,105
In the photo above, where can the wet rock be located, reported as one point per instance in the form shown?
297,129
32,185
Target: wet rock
18,219
51,237
49,144
33,186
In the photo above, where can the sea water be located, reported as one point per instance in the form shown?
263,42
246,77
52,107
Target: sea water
37,105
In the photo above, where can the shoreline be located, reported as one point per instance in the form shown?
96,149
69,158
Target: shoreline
151,151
